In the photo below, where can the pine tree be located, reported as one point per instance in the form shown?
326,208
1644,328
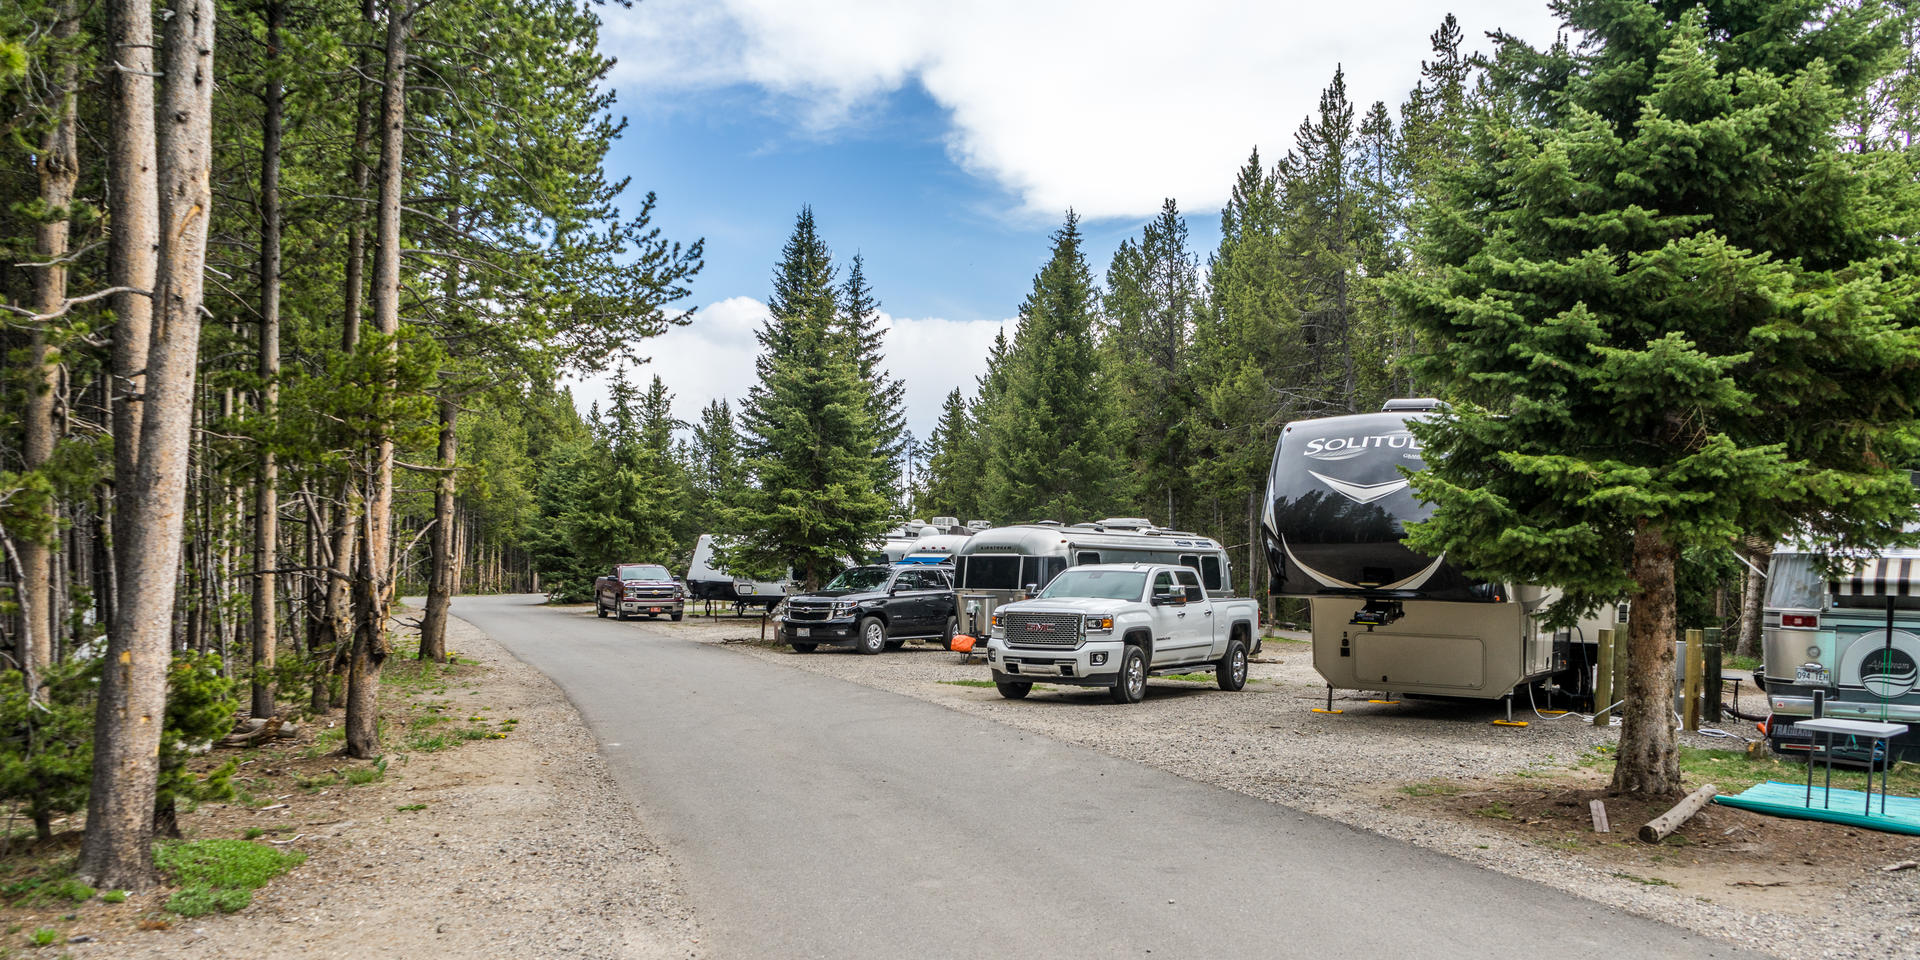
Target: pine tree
1051,442
1670,309
886,406
1153,294
812,447
714,457
952,473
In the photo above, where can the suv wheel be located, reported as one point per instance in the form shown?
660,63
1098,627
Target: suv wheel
953,629
873,636
804,647
1014,689
1231,670
1131,685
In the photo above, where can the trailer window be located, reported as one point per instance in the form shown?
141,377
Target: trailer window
1794,583
991,573
1042,570
1086,557
1190,581
1210,571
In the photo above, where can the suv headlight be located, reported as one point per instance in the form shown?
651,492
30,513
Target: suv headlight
844,608
1099,624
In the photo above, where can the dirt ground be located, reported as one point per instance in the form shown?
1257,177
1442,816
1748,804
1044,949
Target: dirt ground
499,836
1444,776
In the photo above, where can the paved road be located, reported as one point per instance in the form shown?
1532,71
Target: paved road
812,817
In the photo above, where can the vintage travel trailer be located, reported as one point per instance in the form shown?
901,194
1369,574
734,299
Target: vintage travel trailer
1841,638
1002,564
1384,617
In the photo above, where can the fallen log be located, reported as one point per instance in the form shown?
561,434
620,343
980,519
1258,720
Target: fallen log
1657,829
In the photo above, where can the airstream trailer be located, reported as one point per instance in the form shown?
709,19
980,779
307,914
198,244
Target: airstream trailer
1845,646
1384,617
1002,564
706,580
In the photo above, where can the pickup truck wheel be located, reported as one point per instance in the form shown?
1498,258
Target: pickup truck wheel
600,609
677,615
619,614
804,647
1231,671
1014,689
1131,687
873,636
946,637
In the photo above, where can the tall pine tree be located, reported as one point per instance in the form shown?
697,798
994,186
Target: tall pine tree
1153,293
1671,309
886,394
812,447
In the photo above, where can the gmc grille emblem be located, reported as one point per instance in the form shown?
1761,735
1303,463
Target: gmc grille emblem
1039,628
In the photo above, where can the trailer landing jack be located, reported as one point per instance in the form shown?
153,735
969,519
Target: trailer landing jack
1329,707
1510,721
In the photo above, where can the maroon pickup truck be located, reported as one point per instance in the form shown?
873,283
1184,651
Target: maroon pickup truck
639,589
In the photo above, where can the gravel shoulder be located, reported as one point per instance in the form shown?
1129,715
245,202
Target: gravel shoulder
513,844
1442,776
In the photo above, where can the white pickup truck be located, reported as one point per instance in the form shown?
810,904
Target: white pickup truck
1113,624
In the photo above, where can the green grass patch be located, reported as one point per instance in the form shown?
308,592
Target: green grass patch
1431,788
49,887
420,743
219,875
114,896
411,807
253,833
326,741
1643,881
44,937
1495,811
1733,771
1734,661
969,683
1192,677
360,776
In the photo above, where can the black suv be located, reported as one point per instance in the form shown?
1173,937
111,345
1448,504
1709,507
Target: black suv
873,608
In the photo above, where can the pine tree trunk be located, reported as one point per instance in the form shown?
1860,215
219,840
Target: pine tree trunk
1648,761
59,171
266,506
116,852
433,626
374,584
1752,597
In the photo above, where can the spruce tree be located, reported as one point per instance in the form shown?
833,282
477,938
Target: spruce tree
952,474
886,394
812,447
1053,453
1153,293
1670,309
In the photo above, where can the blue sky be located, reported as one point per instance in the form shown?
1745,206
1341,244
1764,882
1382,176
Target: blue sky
944,142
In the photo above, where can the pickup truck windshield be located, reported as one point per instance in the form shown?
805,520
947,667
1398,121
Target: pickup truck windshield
860,578
1097,584
643,571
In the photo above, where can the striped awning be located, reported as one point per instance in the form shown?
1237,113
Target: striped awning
1881,577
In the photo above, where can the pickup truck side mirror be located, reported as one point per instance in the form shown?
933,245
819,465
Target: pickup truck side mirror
1162,599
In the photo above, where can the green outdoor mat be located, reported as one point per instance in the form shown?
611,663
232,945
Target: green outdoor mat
1845,806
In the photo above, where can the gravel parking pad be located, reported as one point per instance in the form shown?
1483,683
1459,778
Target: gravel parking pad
1266,742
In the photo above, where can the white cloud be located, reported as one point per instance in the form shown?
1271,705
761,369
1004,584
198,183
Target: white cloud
712,358
1103,106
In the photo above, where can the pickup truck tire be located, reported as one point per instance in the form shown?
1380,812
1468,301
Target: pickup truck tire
803,647
1014,689
1231,670
1131,686
873,637
677,616
619,614
600,609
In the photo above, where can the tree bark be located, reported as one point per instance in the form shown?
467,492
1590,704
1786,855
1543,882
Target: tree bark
1752,597
433,626
1648,763
59,171
266,506
117,852
373,586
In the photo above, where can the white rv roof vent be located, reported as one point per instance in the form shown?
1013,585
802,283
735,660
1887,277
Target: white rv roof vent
1127,523
1412,405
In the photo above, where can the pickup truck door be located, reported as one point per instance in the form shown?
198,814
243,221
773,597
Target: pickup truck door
1197,628
1169,623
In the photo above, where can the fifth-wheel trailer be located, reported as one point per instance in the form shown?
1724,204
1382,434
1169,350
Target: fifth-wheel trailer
1384,617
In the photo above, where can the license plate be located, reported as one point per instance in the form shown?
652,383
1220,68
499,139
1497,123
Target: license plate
653,609
1803,675
803,632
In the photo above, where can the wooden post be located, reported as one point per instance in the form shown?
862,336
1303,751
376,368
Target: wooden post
1620,661
1658,828
1603,680
1598,808
1690,687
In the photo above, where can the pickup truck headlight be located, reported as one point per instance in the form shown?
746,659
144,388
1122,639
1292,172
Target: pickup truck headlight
1099,624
